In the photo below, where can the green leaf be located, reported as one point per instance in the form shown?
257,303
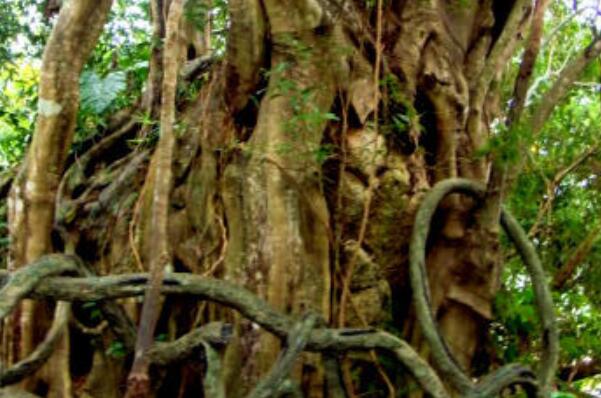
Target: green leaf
98,93
116,350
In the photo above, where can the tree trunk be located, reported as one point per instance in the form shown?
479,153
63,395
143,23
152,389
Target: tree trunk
32,201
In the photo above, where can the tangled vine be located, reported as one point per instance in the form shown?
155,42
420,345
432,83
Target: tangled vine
66,279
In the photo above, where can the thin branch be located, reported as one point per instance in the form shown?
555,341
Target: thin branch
566,21
369,194
555,182
581,369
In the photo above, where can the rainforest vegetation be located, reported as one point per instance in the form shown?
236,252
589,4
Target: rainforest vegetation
306,198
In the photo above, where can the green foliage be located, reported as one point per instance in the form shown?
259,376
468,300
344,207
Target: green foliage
197,12
571,130
400,115
18,98
92,310
98,93
506,145
116,350
23,30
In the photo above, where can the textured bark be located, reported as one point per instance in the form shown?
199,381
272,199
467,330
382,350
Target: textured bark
273,195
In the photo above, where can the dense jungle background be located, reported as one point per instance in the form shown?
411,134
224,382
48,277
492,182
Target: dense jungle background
318,198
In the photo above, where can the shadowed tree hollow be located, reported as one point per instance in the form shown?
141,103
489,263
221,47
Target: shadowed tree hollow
325,177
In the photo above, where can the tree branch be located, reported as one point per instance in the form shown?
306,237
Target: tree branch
580,370
563,83
528,60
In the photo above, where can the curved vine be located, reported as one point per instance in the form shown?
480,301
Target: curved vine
441,355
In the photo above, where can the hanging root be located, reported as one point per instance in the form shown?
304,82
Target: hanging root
542,294
443,359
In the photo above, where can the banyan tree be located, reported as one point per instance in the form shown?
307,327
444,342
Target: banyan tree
320,214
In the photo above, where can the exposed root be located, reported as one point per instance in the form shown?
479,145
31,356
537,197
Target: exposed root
94,331
19,285
21,282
